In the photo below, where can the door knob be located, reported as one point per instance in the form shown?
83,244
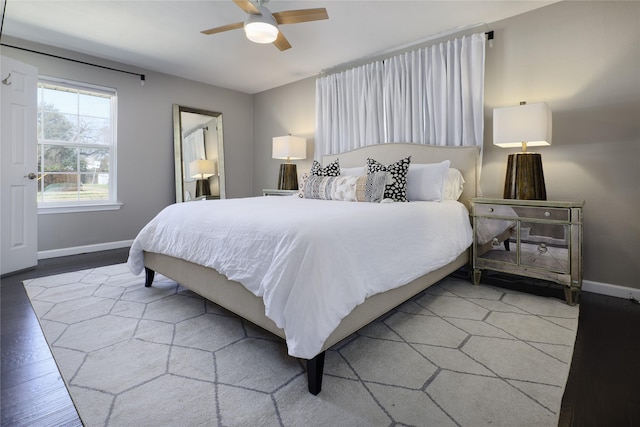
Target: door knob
31,176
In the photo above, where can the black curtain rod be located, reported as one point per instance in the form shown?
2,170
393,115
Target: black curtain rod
142,76
4,12
489,35
387,54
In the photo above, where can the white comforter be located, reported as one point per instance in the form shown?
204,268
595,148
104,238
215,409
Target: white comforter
312,261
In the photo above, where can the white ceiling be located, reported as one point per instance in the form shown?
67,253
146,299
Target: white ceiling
165,36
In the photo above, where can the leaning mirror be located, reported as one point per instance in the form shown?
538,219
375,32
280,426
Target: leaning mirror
199,154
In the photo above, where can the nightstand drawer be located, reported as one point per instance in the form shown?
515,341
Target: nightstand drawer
553,214
523,212
493,210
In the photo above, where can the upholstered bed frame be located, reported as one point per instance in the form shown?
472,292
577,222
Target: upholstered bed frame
237,299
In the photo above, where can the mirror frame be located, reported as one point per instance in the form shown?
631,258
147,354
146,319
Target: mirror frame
177,148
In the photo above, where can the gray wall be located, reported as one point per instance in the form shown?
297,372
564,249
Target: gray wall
145,145
583,59
285,110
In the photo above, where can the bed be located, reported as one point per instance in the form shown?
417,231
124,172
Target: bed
257,305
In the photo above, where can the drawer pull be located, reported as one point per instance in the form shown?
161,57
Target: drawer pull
495,242
542,248
547,213
490,209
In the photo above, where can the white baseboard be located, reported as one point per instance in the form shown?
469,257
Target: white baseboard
611,290
54,253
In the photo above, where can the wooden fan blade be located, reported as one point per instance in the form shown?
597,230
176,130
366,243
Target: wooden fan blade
223,28
247,6
281,42
302,15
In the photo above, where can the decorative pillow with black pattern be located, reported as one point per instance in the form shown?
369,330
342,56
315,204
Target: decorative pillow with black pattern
303,180
332,169
348,188
396,188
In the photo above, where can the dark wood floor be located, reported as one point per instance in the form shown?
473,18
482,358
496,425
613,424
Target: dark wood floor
603,387
33,393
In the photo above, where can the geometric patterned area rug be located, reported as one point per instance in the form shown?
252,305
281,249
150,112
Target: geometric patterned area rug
454,355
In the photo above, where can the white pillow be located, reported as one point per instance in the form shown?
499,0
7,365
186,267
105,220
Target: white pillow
453,185
357,171
426,181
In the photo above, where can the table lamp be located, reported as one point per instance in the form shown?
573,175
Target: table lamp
525,125
289,148
202,170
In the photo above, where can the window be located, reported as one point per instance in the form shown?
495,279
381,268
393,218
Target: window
76,144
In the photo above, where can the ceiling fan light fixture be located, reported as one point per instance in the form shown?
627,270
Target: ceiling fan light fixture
261,32
261,28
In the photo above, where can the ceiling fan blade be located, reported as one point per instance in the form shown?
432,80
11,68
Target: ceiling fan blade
223,28
247,6
281,42
302,15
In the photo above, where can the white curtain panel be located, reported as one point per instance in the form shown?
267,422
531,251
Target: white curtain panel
433,95
347,109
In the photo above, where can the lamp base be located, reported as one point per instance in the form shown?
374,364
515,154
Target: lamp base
202,188
525,178
288,177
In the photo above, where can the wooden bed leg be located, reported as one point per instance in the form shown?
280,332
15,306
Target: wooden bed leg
315,368
148,279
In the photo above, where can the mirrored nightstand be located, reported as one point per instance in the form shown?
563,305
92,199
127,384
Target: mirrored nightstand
270,192
544,240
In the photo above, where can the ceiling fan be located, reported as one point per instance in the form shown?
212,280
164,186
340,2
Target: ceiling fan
261,26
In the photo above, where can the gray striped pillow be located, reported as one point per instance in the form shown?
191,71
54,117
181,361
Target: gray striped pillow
365,188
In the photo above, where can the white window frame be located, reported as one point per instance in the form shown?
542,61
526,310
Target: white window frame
87,205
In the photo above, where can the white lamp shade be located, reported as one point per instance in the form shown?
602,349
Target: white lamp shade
261,28
201,169
289,147
530,123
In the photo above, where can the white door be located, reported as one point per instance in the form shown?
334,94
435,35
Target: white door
18,163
